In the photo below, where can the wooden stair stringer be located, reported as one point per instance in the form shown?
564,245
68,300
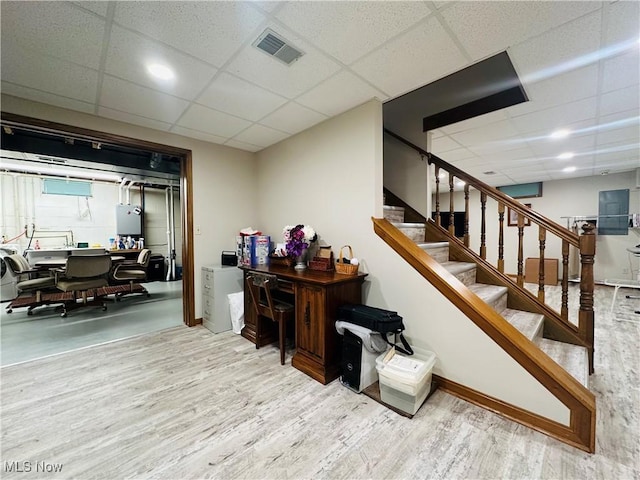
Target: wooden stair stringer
519,298
567,389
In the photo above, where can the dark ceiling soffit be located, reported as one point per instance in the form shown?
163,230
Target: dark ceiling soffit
491,103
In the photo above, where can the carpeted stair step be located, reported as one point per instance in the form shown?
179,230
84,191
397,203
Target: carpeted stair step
463,271
529,324
438,250
573,358
493,295
393,214
415,231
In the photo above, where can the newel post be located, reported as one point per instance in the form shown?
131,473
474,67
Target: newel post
585,315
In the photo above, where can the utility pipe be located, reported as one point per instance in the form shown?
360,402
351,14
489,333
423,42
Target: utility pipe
122,183
166,199
173,237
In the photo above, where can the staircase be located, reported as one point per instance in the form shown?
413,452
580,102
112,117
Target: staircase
530,322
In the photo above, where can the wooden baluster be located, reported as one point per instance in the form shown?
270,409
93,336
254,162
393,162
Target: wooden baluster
483,226
585,315
452,227
542,236
501,237
520,249
437,173
466,215
564,309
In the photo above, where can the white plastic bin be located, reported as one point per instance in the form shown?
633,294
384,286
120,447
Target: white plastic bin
405,380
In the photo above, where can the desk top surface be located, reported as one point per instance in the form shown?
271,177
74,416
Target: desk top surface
311,276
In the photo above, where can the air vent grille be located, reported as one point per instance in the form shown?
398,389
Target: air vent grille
274,45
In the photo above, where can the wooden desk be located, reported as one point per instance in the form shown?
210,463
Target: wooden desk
317,298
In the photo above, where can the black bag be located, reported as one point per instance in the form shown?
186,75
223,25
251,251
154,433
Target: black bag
377,320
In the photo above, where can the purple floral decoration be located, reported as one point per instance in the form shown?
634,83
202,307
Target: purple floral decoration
298,238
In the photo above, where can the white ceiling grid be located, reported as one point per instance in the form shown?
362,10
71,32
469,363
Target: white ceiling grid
90,57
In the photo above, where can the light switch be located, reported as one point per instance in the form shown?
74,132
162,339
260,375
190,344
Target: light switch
198,231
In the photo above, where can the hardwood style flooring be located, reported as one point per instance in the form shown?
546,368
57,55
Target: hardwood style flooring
184,403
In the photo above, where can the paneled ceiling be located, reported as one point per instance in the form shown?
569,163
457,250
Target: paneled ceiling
578,63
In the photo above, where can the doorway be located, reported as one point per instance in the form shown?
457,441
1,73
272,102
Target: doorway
128,147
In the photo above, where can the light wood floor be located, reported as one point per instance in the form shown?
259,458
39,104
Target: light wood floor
187,404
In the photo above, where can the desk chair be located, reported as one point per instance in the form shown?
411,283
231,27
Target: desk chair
84,273
261,286
28,281
134,273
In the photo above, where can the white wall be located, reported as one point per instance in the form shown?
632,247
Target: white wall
561,198
330,177
224,180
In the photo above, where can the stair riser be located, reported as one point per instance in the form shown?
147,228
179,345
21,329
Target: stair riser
440,254
416,234
499,304
394,215
467,277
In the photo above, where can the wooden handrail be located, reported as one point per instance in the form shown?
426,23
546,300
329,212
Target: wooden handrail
494,193
580,401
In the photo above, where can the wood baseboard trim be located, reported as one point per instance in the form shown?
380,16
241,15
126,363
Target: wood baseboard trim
197,321
534,421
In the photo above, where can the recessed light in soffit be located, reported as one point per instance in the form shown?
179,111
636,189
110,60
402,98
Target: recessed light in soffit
275,46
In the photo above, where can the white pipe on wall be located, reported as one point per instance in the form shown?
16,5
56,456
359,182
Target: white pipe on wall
122,183
173,237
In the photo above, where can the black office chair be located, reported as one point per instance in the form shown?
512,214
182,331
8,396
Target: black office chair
260,286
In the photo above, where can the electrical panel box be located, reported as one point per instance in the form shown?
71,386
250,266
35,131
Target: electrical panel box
128,220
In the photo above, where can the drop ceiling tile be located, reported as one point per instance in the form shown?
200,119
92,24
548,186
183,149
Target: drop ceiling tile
441,145
44,97
130,98
454,156
486,134
99,7
558,51
267,5
211,121
260,135
188,132
552,148
287,80
243,146
349,30
48,74
621,71
129,54
339,94
485,28
622,100
398,66
622,22
232,95
133,119
557,117
210,31
626,135
567,87
54,28
292,118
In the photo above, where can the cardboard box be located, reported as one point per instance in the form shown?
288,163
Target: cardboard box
532,270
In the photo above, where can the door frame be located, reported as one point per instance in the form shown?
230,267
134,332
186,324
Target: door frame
186,186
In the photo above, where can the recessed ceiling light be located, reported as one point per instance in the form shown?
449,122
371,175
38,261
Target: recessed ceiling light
562,133
569,169
161,72
566,156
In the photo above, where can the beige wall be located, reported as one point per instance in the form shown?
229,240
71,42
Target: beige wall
330,177
224,179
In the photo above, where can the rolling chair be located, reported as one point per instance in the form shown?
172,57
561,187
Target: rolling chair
28,282
83,275
134,273
260,286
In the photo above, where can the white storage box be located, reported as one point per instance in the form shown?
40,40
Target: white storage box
405,381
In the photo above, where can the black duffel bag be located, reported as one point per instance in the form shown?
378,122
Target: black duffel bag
376,320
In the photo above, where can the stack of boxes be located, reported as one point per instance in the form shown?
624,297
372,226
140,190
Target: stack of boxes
253,250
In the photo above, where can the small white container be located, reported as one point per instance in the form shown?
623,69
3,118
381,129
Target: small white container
405,381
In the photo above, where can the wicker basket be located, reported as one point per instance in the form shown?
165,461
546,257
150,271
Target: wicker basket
346,268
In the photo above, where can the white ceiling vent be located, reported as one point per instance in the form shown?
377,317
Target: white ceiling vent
275,46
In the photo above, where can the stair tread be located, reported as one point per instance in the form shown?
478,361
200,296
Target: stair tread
486,292
573,358
429,245
392,207
455,268
527,323
407,224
